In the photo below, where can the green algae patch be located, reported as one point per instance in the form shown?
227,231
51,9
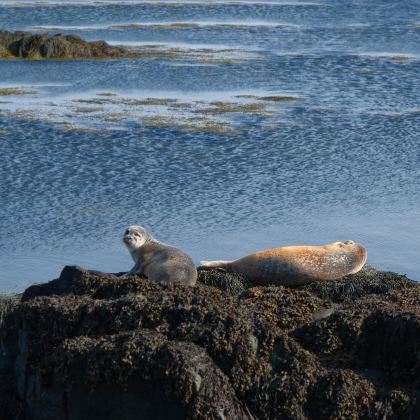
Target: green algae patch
94,101
146,101
219,108
87,110
192,55
108,94
279,98
246,96
403,59
15,92
197,124
67,127
181,105
115,116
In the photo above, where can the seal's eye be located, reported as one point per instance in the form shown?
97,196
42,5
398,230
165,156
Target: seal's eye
126,232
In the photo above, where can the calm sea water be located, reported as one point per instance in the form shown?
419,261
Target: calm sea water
247,125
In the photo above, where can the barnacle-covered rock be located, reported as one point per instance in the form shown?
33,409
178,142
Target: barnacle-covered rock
96,345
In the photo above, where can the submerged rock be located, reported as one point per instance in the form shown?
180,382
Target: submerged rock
94,345
45,46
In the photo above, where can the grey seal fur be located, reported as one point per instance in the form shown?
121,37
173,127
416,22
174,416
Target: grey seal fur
157,261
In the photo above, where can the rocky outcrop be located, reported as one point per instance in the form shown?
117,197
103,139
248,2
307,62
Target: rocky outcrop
91,345
46,46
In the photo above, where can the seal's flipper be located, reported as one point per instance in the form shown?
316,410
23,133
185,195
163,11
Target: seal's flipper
215,264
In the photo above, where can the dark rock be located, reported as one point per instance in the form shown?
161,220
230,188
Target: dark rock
72,280
46,46
4,52
9,403
366,281
341,394
7,303
95,345
332,335
396,336
233,284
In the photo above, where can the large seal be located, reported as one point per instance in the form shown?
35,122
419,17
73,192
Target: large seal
158,261
296,265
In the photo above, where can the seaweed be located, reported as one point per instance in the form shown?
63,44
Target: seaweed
91,343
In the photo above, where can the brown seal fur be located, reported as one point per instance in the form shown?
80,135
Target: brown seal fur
296,265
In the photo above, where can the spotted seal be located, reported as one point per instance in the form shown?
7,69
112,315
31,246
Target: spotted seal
157,261
296,265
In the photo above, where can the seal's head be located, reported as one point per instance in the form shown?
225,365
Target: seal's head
135,237
354,250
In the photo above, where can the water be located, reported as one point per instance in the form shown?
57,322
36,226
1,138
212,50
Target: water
247,125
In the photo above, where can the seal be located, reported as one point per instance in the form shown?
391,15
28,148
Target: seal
157,261
297,265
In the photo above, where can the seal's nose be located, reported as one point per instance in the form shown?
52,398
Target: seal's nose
349,242
363,252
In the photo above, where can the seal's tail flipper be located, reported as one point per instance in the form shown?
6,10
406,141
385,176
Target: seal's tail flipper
215,264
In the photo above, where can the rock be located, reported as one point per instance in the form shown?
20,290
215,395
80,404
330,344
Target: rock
366,281
4,52
7,303
233,284
96,345
341,394
45,46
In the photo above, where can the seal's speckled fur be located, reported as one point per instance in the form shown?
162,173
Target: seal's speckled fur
157,261
297,265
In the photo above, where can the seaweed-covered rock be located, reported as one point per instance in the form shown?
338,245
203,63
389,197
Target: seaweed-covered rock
341,394
7,303
233,284
91,345
4,52
45,46
366,281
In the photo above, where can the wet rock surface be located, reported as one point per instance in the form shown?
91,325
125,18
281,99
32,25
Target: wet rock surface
93,345
58,46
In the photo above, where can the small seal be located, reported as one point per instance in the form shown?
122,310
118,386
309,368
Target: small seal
297,265
157,261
